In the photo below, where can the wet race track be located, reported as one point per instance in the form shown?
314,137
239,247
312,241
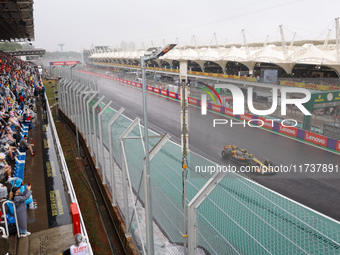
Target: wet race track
319,191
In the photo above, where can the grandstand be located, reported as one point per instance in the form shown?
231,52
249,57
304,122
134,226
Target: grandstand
22,97
30,153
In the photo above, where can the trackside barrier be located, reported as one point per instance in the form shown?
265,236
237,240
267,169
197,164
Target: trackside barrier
268,124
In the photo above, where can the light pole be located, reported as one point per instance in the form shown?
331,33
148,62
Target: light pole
184,144
146,175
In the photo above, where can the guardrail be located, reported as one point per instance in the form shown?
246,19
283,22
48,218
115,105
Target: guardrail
6,234
66,175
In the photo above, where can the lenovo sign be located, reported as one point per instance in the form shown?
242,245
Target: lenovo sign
192,100
216,108
316,139
264,122
291,131
246,117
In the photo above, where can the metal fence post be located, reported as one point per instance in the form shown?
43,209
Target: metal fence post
83,112
124,171
75,112
195,203
111,167
69,96
78,100
94,138
66,96
100,150
61,84
88,120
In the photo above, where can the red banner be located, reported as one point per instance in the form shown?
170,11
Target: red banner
192,100
59,63
64,63
164,92
139,85
291,131
229,112
246,117
338,146
133,83
179,96
315,138
216,108
71,63
172,94
149,88
266,123
156,90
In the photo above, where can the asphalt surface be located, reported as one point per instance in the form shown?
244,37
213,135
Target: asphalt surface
319,191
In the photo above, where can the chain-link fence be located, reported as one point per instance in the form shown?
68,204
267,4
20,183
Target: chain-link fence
238,216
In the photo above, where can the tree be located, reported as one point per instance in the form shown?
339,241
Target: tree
9,46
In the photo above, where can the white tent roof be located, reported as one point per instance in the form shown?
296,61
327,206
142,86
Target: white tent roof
236,55
210,55
270,54
306,54
314,55
190,54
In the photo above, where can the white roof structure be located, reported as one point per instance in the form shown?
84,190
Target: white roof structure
269,53
235,54
311,54
285,57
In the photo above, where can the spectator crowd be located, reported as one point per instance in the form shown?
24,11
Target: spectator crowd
20,87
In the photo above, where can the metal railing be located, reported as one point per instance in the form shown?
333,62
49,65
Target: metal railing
66,174
15,216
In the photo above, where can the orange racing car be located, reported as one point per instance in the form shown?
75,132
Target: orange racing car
242,157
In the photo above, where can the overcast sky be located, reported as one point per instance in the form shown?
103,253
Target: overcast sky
83,23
